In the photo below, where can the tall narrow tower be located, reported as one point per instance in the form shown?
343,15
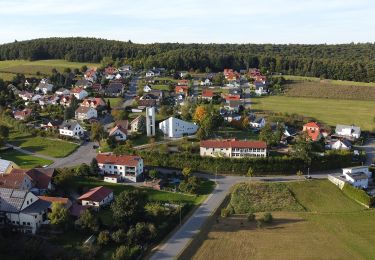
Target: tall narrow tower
150,121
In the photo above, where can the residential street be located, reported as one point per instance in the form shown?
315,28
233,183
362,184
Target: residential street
369,147
179,240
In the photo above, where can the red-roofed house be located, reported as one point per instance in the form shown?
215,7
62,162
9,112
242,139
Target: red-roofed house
233,148
129,167
207,94
182,89
97,197
183,82
313,130
93,102
22,114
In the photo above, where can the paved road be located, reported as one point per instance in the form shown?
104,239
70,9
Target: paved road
179,240
369,148
129,96
84,154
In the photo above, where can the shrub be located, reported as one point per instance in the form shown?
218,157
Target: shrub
259,223
358,195
250,216
267,218
119,236
103,238
225,213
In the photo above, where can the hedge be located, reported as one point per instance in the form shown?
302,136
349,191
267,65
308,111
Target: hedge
271,164
358,195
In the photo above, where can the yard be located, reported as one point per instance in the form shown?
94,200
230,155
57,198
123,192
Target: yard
332,226
50,147
23,160
329,111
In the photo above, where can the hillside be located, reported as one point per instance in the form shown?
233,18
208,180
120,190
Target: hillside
353,62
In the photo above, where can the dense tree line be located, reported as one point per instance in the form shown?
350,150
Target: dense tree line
343,61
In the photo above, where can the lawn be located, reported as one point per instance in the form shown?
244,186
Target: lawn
329,111
42,145
23,160
115,102
331,81
43,66
332,227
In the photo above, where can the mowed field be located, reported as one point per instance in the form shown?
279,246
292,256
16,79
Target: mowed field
329,111
332,227
10,67
24,161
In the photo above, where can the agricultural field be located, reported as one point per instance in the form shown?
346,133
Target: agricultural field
326,89
330,81
54,148
331,226
24,161
9,68
328,111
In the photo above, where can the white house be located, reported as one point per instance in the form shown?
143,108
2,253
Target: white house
97,197
128,167
260,91
147,88
341,145
85,113
44,86
357,176
174,127
22,210
258,122
358,180
348,131
7,166
206,82
233,148
152,73
79,93
119,133
71,128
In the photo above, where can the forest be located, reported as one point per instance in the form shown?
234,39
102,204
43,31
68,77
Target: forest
354,62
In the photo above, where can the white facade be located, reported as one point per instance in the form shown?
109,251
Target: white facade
85,115
107,200
72,131
349,131
174,128
130,173
358,169
340,145
233,152
259,123
111,179
150,121
358,180
81,94
118,134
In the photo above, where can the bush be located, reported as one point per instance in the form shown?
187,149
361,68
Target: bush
267,218
103,238
126,252
358,195
119,236
250,216
260,223
225,213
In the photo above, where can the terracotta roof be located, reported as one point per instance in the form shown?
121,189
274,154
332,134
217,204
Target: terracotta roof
23,113
14,179
314,135
179,89
232,97
94,102
232,143
207,93
312,124
96,194
76,90
128,160
55,199
118,127
42,177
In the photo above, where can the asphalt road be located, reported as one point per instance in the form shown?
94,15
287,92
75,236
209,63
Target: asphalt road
180,239
369,148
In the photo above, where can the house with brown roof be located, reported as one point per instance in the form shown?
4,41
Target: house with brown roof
233,148
182,90
63,201
97,197
79,93
85,113
93,102
129,167
22,114
119,133
207,94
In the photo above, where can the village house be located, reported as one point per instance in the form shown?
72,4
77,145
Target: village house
91,75
232,148
85,113
125,68
351,132
147,88
22,210
138,124
23,114
83,83
174,127
129,167
257,122
71,128
25,95
7,166
50,124
79,93
62,92
119,133
207,94
44,86
65,101
114,89
97,197
183,74
65,202
152,73
340,145
313,131
93,102
206,82
182,89
356,176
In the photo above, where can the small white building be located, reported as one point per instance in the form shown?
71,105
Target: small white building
341,145
44,86
348,131
71,128
97,197
119,133
258,122
147,88
128,167
85,113
174,127
356,176
112,178
232,148
79,93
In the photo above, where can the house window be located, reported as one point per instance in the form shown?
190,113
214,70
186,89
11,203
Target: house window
24,223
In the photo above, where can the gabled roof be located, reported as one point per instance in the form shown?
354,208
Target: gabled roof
4,164
76,90
13,180
207,93
69,124
232,143
354,129
11,200
114,87
128,160
96,194
61,200
119,128
41,177
84,110
312,124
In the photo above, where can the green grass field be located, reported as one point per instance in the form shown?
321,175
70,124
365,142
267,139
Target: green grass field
42,145
332,227
9,68
329,111
23,160
331,81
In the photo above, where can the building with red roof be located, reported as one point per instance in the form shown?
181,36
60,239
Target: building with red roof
207,94
129,167
182,89
313,131
97,197
233,148
22,114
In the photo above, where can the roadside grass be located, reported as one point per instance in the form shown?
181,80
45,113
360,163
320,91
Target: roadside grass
42,145
332,227
24,161
115,102
329,111
42,66
161,87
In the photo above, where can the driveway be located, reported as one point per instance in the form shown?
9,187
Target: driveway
181,238
369,148
84,154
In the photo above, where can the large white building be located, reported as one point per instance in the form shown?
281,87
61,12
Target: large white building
71,128
356,176
150,121
85,113
233,148
348,131
129,167
174,127
22,210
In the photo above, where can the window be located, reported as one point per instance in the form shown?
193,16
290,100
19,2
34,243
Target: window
24,223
